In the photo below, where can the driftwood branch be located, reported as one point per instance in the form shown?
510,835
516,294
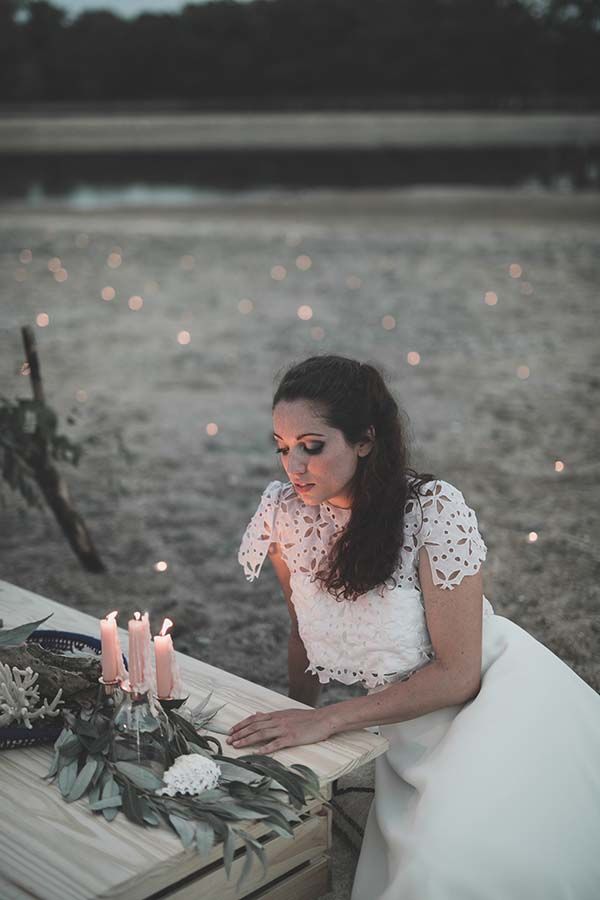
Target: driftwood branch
50,481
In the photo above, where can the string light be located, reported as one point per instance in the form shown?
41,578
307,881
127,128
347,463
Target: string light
559,466
413,358
161,566
388,323
305,312
184,337
42,319
108,293
491,298
135,303
25,256
532,537
54,264
212,428
61,275
515,270
523,372
114,260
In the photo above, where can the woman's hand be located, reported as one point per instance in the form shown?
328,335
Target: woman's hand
282,728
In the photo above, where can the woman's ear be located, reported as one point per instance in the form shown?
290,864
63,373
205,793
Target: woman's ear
366,445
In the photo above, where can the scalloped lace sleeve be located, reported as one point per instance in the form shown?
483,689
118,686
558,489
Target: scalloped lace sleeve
450,533
261,532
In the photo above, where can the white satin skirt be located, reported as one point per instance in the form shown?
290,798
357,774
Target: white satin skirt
495,799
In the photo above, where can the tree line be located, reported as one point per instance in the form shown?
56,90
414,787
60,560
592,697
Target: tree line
307,53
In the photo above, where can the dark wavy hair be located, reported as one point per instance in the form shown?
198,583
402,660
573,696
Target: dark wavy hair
351,396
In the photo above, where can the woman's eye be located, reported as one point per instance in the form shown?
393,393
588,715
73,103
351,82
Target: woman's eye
311,450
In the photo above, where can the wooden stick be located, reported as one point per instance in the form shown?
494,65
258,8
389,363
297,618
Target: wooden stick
50,481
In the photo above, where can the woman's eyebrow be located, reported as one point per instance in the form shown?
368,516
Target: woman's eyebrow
306,434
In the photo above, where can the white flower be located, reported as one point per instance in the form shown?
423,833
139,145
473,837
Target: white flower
190,774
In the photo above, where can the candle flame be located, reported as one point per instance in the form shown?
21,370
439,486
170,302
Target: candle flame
165,627
112,616
137,616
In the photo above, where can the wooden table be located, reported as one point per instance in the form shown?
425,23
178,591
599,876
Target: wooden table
53,850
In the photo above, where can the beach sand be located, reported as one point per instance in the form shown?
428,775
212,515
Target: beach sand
424,258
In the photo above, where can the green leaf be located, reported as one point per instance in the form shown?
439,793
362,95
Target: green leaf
150,816
310,777
14,637
83,781
204,837
107,803
131,805
228,851
141,776
110,789
184,829
67,777
231,772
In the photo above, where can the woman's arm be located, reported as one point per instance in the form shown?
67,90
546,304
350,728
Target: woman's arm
303,686
454,621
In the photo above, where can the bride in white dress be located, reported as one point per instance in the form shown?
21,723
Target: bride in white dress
491,787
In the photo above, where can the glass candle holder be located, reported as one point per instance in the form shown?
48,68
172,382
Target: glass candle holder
141,732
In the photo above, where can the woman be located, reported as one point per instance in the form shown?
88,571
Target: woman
490,789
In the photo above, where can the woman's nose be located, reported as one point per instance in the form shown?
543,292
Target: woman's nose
295,463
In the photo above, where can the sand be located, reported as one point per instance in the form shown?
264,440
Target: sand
427,260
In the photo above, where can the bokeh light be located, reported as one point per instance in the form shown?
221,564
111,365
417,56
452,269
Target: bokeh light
413,358
305,312
353,282
303,262
515,270
161,566
25,256
491,298
61,275
114,260
135,303
42,319
388,322
108,293
187,262
523,372
278,273
81,396
317,333
212,428
526,288
184,337
20,274
54,264
559,466
245,306
532,537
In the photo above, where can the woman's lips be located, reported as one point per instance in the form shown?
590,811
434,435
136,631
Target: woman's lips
303,487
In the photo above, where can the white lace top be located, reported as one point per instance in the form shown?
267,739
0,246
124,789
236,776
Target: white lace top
382,636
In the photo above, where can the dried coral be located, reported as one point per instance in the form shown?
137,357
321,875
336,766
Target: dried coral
20,697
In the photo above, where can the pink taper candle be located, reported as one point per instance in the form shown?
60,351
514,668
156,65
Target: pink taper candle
139,650
111,650
163,654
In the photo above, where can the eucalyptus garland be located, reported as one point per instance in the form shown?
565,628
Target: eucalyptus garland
250,788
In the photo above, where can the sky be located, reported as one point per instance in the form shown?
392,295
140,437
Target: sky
124,8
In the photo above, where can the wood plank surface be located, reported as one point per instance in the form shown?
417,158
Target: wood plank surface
53,850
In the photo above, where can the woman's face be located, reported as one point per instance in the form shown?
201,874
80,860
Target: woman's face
313,453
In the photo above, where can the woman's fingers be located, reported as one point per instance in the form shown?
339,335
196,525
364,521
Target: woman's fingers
255,737
249,721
